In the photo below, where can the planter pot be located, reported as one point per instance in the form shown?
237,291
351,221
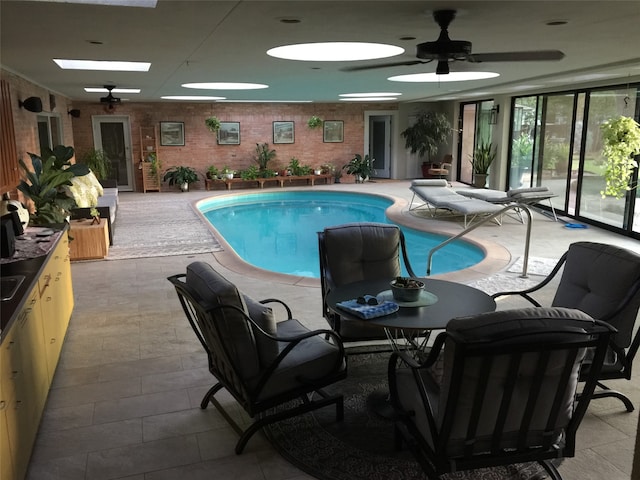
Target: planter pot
479,180
184,187
425,169
228,176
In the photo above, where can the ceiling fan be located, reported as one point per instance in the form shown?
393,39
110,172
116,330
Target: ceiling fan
110,99
445,50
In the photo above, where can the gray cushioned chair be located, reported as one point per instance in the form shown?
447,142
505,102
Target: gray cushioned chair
508,394
261,362
604,282
359,251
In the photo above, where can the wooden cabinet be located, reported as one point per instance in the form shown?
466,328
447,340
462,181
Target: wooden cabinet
149,158
29,354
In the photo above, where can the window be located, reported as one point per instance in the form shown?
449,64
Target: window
49,130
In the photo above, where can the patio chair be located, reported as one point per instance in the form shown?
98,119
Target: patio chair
508,390
604,282
354,252
436,195
265,365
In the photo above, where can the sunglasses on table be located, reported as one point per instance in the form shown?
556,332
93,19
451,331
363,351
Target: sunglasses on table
367,301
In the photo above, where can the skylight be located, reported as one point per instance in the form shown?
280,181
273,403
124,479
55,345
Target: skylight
335,51
111,3
113,90
449,77
372,94
191,97
225,86
108,65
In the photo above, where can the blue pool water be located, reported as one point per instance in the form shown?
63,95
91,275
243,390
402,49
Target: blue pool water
277,231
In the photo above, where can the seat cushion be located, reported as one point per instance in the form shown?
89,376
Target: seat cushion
234,331
312,359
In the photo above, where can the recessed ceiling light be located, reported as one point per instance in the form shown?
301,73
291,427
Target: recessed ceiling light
114,90
108,65
555,23
289,20
367,99
191,97
225,86
377,94
450,77
335,51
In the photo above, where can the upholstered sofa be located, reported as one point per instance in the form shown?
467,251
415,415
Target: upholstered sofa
102,195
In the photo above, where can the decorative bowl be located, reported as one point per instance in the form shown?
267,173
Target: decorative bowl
406,289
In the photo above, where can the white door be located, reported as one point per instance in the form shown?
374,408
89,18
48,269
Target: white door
112,135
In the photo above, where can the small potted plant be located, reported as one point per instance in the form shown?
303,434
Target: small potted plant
361,167
227,173
483,157
213,124
212,172
181,176
314,121
98,162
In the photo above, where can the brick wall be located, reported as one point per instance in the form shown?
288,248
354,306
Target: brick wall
256,126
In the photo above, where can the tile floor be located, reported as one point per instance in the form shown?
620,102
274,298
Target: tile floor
125,398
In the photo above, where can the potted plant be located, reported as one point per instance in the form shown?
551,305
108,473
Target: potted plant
263,156
181,176
212,123
227,173
314,121
425,136
361,167
212,172
98,162
152,158
483,156
297,169
621,137
45,184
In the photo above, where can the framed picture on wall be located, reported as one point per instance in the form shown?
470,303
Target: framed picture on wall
333,131
229,133
283,132
172,134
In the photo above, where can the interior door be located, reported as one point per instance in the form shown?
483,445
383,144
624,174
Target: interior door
112,135
380,144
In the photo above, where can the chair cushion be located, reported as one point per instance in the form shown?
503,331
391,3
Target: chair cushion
596,279
263,316
359,251
311,359
216,290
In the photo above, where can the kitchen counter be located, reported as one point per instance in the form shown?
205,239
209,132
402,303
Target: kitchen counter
32,254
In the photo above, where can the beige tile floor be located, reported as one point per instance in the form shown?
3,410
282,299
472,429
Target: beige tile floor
125,398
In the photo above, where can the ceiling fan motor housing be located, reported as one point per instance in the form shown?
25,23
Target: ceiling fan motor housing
450,50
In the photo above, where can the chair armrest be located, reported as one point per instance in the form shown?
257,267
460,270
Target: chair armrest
266,301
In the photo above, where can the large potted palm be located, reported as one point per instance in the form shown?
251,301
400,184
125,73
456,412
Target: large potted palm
426,135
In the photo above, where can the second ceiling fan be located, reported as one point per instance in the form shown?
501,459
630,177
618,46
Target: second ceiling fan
445,50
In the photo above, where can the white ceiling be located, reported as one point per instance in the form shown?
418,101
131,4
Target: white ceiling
208,41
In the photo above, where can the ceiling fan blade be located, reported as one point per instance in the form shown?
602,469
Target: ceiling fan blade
407,63
530,56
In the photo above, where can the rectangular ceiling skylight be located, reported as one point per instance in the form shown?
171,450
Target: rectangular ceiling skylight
112,3
113,90
108,65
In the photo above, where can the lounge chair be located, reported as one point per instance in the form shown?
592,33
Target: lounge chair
522,196
436,195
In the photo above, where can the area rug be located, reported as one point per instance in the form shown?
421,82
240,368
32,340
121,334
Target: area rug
159,226
361,447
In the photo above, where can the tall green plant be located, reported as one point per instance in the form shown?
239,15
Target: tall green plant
483,157
431,130
621,140
98,162
264,155
44,184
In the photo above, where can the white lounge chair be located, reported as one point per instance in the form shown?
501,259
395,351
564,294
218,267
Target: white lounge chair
523,196
436,195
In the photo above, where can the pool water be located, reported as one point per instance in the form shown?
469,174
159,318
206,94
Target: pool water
278,231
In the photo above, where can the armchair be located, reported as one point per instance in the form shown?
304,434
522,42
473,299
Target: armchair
604,282
263,364
508,390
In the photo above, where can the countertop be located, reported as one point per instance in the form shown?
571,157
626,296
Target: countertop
31,268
